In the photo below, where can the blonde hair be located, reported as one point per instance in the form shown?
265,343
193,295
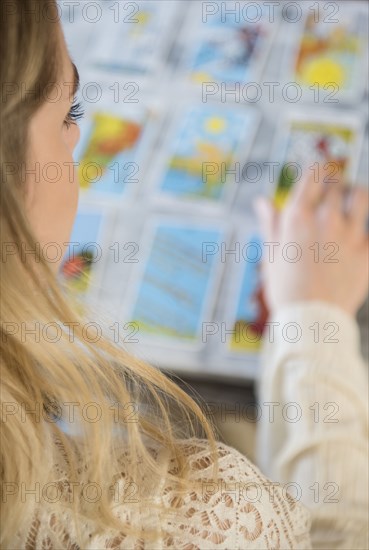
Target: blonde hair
46,376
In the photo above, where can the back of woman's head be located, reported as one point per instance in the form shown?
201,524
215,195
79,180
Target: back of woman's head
50,371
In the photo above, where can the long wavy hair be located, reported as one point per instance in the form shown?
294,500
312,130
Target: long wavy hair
139,409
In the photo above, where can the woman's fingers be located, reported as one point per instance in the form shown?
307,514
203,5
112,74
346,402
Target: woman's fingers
358,212
308,191
333,200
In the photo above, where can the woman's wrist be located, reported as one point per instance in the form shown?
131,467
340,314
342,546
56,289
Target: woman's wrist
308,326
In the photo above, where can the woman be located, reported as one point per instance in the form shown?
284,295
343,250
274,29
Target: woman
148,472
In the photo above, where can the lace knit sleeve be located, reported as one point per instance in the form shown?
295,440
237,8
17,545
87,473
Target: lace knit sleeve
241,509
323,450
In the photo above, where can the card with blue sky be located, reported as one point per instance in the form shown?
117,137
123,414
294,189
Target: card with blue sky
200,152
174,287
230,42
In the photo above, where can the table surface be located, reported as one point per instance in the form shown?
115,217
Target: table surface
243,391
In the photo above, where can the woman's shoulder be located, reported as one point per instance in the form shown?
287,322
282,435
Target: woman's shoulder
239,508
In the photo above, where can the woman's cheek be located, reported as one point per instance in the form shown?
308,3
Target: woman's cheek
76,134
71,136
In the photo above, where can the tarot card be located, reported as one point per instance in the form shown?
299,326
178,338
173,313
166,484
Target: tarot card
332,51
175,288
135,37
200,155
86,253
112,148
231,42
111,142
307,140
248,311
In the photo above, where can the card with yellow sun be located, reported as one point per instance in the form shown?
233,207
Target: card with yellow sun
330,53
201,153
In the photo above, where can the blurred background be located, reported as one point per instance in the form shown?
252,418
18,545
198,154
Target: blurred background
192,110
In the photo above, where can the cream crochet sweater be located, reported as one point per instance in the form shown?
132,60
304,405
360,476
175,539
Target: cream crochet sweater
313,408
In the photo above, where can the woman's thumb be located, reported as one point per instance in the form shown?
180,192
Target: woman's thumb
267,216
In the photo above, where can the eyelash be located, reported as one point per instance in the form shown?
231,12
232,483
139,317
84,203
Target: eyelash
76,112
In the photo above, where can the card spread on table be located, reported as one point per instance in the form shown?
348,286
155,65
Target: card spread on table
166,156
